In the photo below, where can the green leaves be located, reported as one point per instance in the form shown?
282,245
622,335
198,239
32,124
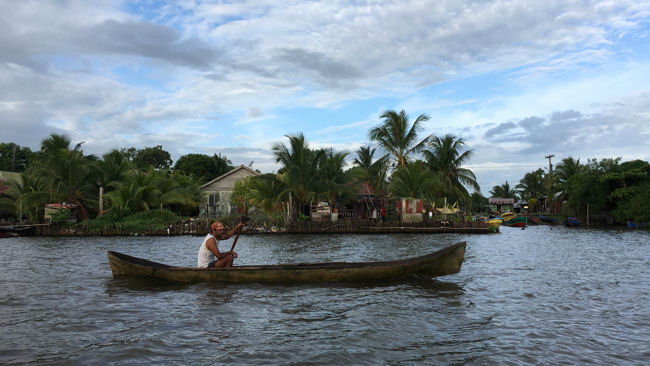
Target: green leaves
415,181
445,157
203,167
396,137
503,191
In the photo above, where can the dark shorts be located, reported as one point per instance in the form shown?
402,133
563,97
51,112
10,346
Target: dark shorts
212,264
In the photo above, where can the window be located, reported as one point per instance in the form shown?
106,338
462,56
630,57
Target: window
214,198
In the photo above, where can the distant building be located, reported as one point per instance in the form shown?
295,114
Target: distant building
52,209
410,209
501,204
217,192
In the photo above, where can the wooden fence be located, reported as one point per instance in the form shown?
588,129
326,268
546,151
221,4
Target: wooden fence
347,226
359,226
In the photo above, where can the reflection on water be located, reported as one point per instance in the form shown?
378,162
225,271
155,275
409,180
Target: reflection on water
540,295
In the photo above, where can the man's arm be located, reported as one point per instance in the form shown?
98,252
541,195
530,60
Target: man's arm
232,232
212,246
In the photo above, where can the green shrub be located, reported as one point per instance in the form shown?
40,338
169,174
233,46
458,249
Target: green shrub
60,218
141,222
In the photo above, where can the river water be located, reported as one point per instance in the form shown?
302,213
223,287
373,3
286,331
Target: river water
544,295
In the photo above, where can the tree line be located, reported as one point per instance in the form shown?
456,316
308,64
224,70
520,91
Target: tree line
399,163
133,180
402,164
607,187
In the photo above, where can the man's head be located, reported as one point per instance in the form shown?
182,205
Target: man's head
216,228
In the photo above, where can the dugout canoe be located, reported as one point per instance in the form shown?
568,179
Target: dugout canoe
441,263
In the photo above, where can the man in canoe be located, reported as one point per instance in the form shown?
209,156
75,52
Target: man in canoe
209,254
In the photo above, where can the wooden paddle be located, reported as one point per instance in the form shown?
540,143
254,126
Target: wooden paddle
244,219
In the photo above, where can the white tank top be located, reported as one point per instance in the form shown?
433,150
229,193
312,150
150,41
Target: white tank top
205,255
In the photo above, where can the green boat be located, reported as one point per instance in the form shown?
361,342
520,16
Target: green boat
440,263
519,221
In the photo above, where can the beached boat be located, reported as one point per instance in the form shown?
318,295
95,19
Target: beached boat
508,216
533,219
443,262
550,220
493,224
637,225
571,222
516,222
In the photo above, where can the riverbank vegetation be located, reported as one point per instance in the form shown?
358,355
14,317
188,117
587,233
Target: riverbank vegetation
605,191
126,186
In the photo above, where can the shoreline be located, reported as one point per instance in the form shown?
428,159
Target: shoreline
201,227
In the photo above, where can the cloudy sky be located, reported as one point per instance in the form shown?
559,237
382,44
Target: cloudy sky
518,80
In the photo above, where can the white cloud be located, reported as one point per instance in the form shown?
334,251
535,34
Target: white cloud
189,75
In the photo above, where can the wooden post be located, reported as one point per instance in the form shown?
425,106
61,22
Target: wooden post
587,214
101,201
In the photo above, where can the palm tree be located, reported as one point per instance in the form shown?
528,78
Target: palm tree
503,191
177,189
414,181
301,165
364,157
267,194
531,185
334,181
26,197
66,170
373,173
446,158
112,168
395,136
567,169
57,142
139,191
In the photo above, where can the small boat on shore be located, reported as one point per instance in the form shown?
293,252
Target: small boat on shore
637,225
493,223
571,222
547,219
519,221
441,263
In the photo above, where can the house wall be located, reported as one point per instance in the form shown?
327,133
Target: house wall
216,195
410,210
501,208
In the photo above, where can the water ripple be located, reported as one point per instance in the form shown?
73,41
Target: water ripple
537,296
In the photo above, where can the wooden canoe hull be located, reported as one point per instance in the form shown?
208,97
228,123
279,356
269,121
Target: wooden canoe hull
443,262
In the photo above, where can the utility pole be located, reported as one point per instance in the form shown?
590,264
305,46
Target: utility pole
13,160
550,166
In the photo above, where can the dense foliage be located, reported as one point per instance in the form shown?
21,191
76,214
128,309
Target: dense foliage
132,181
140,181
203,167
605,188
14,158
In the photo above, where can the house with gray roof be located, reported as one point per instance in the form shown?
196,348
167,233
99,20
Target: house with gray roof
217,192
